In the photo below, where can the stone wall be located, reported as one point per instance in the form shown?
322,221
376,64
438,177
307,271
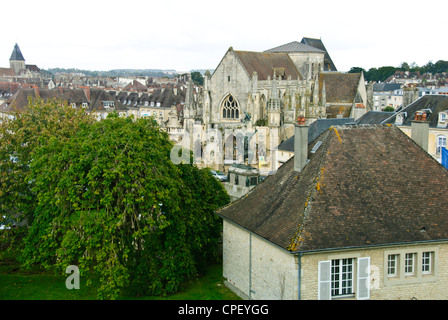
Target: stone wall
257,269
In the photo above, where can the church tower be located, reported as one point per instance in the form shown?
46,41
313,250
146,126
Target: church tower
17,62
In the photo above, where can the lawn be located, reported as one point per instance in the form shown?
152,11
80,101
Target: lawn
35,284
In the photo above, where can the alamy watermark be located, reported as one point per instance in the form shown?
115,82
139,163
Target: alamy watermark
227,146
72,281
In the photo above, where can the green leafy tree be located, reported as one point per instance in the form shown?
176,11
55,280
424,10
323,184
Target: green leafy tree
357,70
20,136
197,78
109,200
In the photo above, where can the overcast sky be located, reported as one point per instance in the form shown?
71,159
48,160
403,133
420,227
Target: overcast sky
195,34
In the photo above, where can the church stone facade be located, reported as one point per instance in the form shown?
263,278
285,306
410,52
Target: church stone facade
253,100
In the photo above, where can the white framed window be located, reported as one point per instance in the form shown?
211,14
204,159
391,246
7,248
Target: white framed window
341,277
344,277
405,266
427,262
392,265
409,264
440,143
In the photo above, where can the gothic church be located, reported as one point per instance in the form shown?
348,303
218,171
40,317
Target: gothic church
271,89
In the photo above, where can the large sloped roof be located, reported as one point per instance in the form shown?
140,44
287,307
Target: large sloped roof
264,64
361,188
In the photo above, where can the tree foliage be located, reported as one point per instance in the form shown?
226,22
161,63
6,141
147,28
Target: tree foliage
20,135
197,78
382,73
109,200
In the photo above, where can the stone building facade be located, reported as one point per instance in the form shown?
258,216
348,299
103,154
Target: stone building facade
247,257
267,91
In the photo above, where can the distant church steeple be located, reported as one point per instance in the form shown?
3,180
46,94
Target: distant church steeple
17,61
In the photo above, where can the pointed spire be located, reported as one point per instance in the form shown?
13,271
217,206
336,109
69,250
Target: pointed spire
17,54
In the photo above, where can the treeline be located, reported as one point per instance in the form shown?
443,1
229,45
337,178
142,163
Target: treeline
116,73
382,73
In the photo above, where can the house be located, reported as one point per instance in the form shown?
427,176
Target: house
241,179
434,107
387,95
363,217
96,101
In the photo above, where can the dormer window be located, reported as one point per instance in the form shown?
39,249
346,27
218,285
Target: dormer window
443,119
400,118
108,104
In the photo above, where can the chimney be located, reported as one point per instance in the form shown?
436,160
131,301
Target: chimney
300,144
36,91
420,130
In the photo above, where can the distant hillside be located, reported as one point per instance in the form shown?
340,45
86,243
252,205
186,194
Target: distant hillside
116,72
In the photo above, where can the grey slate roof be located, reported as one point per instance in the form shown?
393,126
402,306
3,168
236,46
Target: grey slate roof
434,103
294,46
386,86
16,54
374,117
317,43
315,130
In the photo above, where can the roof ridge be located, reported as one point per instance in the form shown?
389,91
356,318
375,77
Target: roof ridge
315,187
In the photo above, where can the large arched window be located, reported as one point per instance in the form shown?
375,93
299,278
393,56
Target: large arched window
230,108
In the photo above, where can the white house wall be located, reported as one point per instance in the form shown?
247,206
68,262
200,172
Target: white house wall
256,269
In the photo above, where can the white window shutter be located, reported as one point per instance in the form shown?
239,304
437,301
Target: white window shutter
324,280
363,290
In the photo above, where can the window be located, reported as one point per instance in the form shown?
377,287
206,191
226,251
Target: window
228,78
406,266
426,262
344,277
230,109
392,265
441,143
341,277
109,104
409,262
